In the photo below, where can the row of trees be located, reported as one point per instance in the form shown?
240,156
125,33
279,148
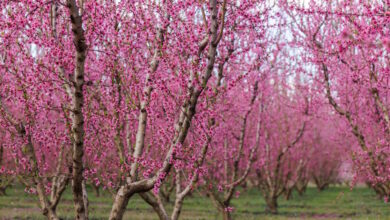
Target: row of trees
348,46
150,97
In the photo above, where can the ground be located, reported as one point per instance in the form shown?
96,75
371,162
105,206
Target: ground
333,203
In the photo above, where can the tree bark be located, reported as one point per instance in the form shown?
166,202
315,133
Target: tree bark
77,116
47,209
301,189
288,193
272,205
226,215
320,183
96,189
120,203
156,204
3,191
123,195
177,208
85,198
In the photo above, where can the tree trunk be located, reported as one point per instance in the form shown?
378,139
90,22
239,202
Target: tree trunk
301,188
222,206
85,199
160,212
288,194
177,208
322,187
380,190
96,190
272,205
47,209
50,214
77,116
226,215
181,127
4,182
2,191
162,215
301,191
156,204
120,203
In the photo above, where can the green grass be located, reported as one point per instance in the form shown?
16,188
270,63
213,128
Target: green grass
333,203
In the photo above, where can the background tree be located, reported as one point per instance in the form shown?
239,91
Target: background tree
347,43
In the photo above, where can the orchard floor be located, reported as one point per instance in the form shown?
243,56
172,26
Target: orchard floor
333,203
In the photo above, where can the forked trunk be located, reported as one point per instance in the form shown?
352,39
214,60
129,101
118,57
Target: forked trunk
47,209
120,203
272,205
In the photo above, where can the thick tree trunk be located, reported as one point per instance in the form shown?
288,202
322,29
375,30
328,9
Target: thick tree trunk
120,203
272,205
77,116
